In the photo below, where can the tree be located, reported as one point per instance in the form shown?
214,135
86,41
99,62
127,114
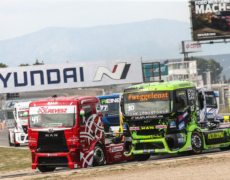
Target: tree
38,63
211,65
3,65
24,64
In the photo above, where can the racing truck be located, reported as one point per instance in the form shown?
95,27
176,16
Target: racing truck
161,117
110,111
207,107
18,135
69,132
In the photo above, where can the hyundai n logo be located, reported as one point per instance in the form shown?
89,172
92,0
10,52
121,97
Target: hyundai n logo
120,71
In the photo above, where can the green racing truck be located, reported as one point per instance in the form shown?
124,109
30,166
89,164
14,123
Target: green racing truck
161,117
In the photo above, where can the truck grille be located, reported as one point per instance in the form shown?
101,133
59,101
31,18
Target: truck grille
25,128
52,142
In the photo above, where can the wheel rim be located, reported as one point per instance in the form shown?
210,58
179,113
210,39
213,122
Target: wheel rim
99,155
196,141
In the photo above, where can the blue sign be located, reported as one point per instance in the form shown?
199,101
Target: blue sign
180,140
181,126
172,124
124,126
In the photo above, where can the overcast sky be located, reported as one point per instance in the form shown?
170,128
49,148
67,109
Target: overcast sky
20,17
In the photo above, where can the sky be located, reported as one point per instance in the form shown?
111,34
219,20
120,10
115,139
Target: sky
21,17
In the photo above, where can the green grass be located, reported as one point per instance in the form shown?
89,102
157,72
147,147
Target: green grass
14,159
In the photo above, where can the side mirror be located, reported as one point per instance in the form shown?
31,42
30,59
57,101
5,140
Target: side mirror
82,112
216,94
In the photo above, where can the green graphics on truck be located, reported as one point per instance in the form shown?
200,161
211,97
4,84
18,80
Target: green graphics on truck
161,117
210,19
150,70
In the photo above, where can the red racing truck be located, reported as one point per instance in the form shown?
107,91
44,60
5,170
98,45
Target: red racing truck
69,132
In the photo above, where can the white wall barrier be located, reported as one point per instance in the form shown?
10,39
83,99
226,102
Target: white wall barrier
9,123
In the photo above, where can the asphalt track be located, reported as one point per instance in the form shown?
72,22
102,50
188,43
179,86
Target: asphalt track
161,157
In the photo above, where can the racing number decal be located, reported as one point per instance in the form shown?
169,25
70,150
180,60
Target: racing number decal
191,95
104,107
130,107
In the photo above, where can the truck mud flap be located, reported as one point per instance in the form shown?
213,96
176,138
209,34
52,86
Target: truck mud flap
215,137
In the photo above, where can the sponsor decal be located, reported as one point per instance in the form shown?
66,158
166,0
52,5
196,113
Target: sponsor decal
147,97
192,108
117,155
180,140
46,110
224,125
82,141
191,94
224,145
51,155
172,124
109,101
75,166
161,127
85,149
217,146
124,126
32,140
189,148
145,151
148,117
116,149
147,127
180,118
161,149
176,149
181,126
134,128
126,152
216,135
137,151
52,103
152,150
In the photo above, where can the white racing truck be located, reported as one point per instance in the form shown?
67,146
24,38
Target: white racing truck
18,135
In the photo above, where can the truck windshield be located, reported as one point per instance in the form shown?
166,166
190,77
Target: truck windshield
146,103
52,116
21,114
110,106
210,100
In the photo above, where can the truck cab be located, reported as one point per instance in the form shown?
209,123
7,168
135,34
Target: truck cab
69,132
18,135
110,111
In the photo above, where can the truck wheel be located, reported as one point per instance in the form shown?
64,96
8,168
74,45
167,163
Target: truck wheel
141,157
98,156
15,145
10,144
46,169
197,142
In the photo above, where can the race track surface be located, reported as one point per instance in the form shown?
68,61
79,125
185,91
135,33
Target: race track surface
4,140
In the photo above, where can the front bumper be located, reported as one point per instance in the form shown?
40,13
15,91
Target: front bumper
164,149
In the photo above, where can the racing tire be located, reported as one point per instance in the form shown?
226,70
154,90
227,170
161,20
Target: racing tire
197,143
15,145
98,156
141,157
10,144
44,169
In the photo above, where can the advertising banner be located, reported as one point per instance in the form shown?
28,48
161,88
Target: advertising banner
189,47
71,75
210,19
152,70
